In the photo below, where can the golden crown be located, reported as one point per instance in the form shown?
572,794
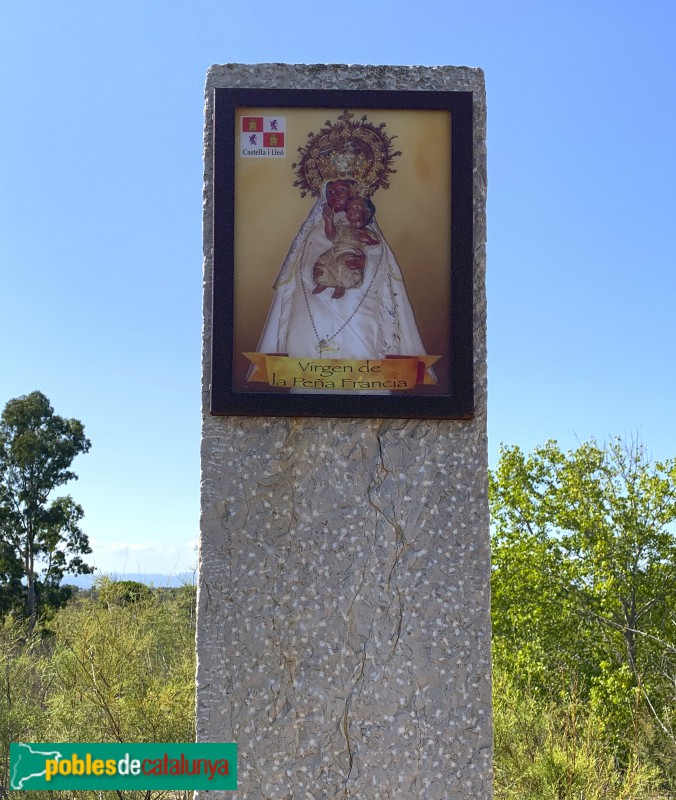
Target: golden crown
348,148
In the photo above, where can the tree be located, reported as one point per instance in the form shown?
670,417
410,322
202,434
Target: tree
40,538
585,574
10,578
121,593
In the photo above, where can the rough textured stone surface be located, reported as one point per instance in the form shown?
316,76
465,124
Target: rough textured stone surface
343,631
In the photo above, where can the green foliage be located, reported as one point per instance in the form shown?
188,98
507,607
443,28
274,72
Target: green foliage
21,691
121,593
109,672
11,573
125,673
40,538
584,587
546,750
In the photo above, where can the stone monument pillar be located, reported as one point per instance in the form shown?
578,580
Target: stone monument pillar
343,630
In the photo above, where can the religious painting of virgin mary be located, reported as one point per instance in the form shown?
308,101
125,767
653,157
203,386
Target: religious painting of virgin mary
340,254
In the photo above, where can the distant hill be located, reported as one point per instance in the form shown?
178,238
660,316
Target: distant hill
150,579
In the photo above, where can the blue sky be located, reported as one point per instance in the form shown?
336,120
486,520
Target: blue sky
100,222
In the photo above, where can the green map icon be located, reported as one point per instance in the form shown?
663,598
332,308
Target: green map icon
28,763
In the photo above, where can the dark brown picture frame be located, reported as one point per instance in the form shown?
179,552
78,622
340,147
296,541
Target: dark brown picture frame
458,401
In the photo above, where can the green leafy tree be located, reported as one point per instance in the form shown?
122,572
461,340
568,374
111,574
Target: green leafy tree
10,578
584,577
40,536
121,593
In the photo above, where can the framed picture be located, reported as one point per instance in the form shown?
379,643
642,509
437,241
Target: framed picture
342,254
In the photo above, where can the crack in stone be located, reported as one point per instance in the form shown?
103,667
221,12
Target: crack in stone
400,536
399,627
356,595
346,734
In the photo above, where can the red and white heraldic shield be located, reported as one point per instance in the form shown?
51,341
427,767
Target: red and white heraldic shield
262,137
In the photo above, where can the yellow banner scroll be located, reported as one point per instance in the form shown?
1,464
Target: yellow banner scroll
394,373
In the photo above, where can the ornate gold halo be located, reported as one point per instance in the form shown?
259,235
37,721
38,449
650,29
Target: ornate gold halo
349,148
